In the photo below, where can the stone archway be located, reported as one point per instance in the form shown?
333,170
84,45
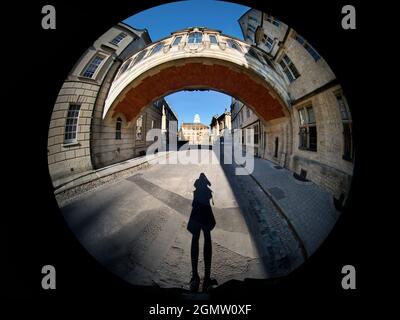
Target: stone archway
230,66
217,75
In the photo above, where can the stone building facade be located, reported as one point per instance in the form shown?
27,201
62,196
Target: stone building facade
316,140
194,133
294,104
244,118
219,124
79,139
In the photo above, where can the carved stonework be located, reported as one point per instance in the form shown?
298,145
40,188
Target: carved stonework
195,47
222,45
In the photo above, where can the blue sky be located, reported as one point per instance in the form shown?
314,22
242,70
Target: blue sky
162,20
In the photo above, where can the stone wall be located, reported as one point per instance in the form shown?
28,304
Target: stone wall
313,74
326,166
278,128
67,159
109,150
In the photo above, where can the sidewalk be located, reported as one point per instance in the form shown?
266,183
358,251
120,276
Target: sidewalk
308,207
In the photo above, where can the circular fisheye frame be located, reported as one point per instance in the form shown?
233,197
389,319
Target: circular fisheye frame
162,194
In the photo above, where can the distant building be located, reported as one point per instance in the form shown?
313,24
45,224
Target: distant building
244,118
194,132
219,124
196,118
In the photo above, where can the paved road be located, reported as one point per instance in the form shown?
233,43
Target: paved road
137,226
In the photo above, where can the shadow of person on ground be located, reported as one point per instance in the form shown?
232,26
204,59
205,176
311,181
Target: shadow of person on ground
201,218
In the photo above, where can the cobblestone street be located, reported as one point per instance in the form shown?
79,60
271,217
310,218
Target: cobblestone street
266,224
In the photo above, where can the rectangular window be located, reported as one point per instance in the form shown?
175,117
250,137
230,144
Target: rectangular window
312,137
307,130
118,38
195,37
71,123
256,134
118,129
268,42
274,21
213,39
303,117
348,148
92,67
303,138
139,128
348,142
310,115
289,69
344,112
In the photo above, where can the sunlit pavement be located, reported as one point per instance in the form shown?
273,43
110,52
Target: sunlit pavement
137,226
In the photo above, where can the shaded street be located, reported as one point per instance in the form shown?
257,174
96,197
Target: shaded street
137,226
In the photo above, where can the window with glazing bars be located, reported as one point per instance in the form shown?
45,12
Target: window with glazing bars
274,21
256,134
118,38
268,42
177,41
71,123
118,129
251,28
139,128
308,129
348,148
195,37
289,69
92,67
124,67
233,44
213,39
157,48
139,57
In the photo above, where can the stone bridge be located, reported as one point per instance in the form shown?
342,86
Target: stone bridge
199,59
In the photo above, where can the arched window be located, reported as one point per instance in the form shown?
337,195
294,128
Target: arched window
118,129
253,53
125,66
177,40
157,48
139,57
233,44
195,37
